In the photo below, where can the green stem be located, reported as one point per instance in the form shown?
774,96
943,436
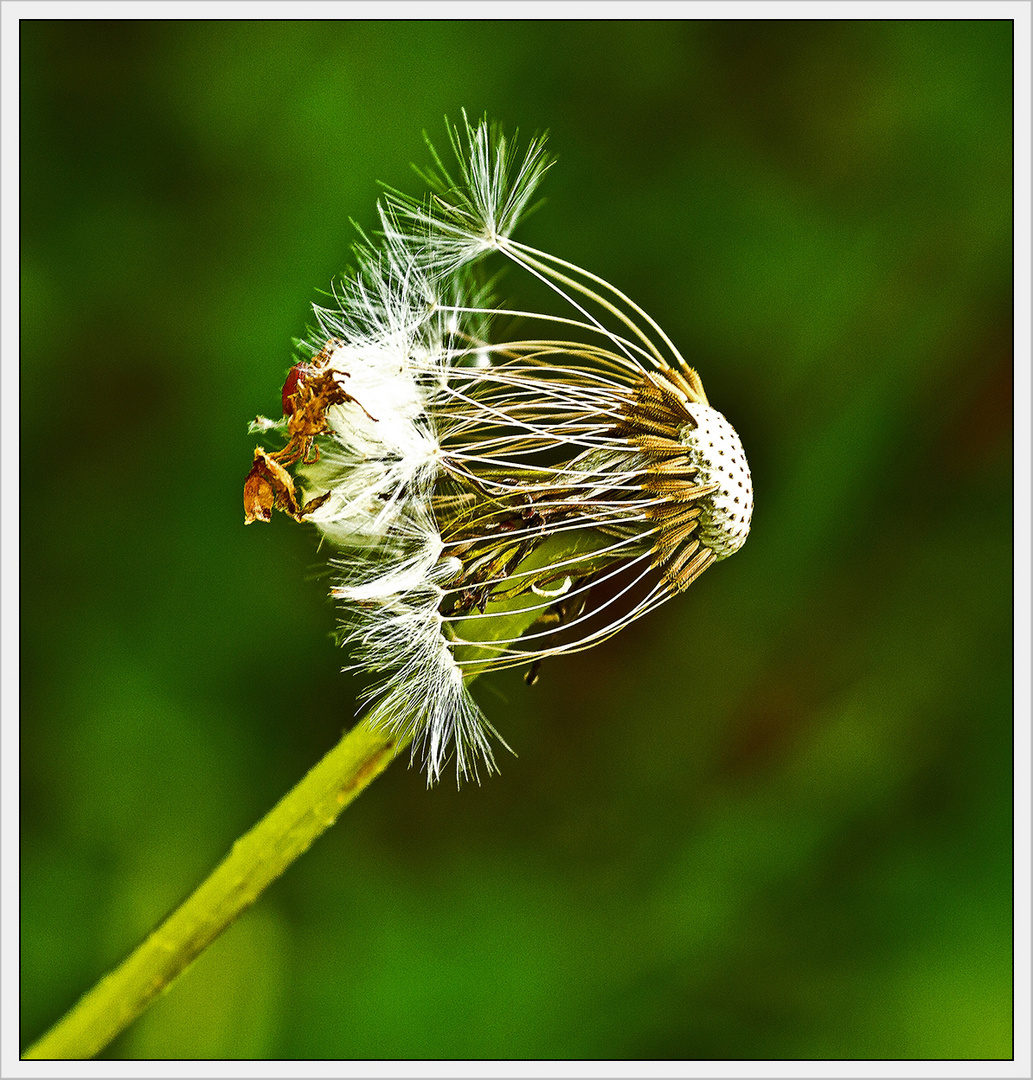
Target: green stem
255,860
260,856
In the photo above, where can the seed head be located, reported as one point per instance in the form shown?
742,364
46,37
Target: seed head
499,485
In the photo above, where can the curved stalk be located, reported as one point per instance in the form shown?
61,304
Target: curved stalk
258,858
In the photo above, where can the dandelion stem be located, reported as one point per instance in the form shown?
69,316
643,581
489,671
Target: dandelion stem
257,859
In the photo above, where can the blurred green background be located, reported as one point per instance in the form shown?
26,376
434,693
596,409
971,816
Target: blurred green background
771,820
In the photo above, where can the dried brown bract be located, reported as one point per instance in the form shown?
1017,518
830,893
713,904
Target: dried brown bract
309,390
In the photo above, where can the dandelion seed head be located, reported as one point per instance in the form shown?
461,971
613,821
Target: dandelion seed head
499,485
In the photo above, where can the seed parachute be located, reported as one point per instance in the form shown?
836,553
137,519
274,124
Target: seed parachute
498,485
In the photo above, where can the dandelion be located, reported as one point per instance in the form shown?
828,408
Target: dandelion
498,485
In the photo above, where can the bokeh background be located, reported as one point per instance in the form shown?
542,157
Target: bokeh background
773,820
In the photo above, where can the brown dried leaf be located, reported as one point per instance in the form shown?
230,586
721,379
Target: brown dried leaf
268,486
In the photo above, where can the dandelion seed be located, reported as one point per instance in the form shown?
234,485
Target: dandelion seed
493,498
